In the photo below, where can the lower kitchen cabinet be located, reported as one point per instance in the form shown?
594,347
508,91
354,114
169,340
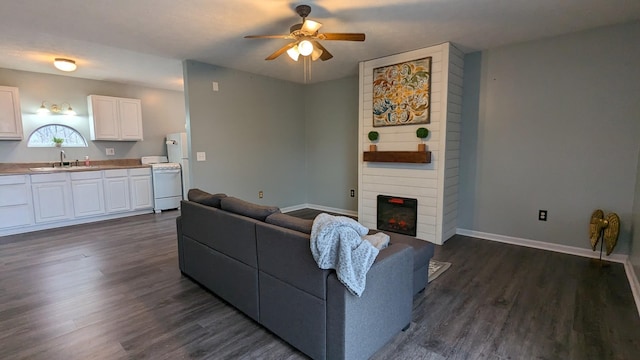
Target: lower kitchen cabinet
51,197
88,193
44,201
116,184
141,188
15,201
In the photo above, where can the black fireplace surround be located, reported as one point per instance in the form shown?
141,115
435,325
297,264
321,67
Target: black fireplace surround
397,214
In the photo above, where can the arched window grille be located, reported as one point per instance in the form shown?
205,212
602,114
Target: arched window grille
43,136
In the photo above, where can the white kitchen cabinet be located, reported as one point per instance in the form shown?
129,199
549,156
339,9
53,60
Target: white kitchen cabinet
52,199
113,118
88,193
116,186
15,201
10,114
141,188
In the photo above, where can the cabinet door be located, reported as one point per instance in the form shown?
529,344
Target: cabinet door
130,119
104,118
141,192
15,201
51,201
117,194
10,114
88,197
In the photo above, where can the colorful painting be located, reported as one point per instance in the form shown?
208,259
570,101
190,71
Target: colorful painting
402,93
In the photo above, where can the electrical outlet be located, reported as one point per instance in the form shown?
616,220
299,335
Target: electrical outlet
542,215
214,86
110,151
352,193
260,194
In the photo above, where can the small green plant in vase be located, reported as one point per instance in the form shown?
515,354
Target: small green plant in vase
422,133
57,141
373,137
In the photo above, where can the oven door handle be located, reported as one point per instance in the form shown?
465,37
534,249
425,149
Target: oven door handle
166,171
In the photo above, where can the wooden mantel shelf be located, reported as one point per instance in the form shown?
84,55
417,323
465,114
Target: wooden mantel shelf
423,157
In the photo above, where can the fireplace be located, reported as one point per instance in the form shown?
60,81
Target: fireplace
397,214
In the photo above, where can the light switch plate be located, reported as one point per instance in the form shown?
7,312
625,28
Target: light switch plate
201,156
110,151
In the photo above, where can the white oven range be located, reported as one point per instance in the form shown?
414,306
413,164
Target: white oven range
167,182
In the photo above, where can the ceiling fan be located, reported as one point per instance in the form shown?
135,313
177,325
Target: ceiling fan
305,38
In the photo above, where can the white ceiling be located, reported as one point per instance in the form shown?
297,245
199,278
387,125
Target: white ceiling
144,41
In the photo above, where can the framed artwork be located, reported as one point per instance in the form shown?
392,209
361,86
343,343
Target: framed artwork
402,93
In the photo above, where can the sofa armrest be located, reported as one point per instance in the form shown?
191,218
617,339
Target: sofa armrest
359,326
180,250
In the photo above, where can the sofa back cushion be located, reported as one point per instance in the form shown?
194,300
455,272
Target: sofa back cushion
245,208
286,255
230,234
205,198
290,222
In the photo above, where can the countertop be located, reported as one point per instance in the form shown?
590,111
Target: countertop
25,168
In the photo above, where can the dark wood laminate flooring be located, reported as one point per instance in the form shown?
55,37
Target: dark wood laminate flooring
112,290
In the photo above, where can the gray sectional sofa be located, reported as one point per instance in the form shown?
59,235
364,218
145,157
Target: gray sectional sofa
258,260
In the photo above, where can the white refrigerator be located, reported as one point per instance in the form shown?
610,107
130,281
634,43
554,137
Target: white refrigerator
178,152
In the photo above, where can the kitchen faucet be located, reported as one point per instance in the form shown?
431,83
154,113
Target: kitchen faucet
62,156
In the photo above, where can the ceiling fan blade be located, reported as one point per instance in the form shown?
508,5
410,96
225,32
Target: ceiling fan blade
326,55
342,36
268,37
310,27
280,51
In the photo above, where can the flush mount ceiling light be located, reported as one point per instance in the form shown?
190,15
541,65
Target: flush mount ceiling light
64,64
56,109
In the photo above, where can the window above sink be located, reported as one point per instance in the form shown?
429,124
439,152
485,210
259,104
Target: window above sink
44,135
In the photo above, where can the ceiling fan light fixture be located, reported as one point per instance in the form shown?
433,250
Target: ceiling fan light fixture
294,53
64,64
310,27
305,47
315,54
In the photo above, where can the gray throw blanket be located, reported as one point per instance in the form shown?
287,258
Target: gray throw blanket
337,243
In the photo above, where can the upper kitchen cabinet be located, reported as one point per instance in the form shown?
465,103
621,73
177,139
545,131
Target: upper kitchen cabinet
115,119
10,115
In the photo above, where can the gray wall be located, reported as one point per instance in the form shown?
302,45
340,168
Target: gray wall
252,131
554,125
163,112
331,110
634,252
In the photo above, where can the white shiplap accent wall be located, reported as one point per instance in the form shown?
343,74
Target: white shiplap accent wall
452,143
434,185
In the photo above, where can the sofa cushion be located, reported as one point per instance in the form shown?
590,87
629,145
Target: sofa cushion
290,222
204,198
422,250
241,207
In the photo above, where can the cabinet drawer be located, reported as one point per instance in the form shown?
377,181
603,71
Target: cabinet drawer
41,178
14,194
115,173
139,171
13,179
86,175
13,216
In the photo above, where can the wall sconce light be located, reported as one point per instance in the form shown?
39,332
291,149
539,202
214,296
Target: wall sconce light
65,64
56,109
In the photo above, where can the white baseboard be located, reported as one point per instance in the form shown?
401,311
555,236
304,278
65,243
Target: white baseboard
293,208
633,282
623,259
619,258
321,208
